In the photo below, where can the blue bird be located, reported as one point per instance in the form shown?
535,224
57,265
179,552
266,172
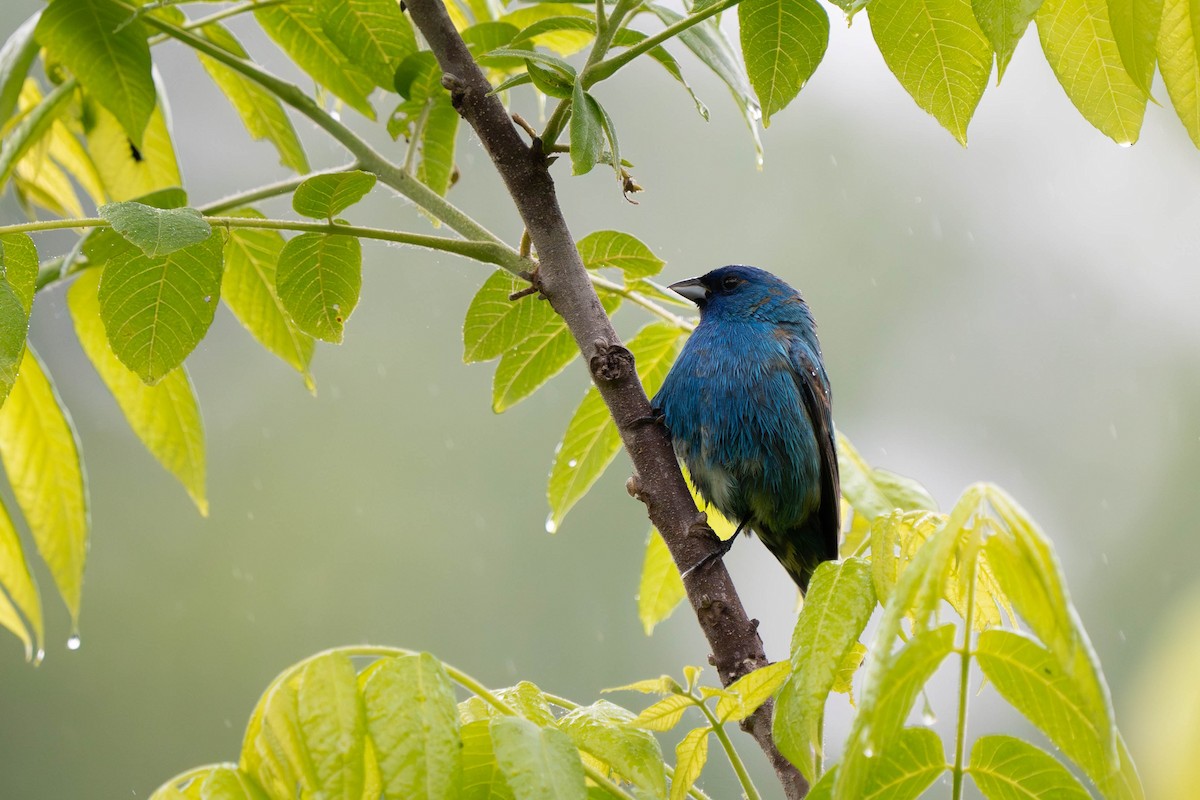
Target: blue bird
747,404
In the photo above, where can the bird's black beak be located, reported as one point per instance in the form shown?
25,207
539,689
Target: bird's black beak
692,289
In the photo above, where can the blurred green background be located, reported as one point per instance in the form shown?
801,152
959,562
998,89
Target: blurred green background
1023,312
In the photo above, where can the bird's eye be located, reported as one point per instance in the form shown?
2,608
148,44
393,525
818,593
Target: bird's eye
731,282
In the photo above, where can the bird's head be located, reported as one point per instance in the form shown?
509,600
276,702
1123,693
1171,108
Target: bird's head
739,292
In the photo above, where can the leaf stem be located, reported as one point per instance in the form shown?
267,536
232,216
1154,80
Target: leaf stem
594,73
641,300
964,683
731,753
268,190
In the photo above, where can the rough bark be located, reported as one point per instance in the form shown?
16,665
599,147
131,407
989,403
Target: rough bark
736,646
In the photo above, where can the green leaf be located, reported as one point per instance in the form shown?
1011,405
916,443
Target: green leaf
1030,678
17,55
783,42
128,173
438,136
18,279
333,723
165,416
546,81
843,677
482,778
610,135
260,111
709,44
495,324
891,689
412,717
620,251
375,35
157,309
326,196
248,288
485,37
40,452
1005,768
587,131
296,28
156,231
1135,26
690,756
538,763
836,610
1179,61
106,49
19,591
661,588
601,730
747,693
937,51
536,359
591,440
1004,23
318,280
1079,43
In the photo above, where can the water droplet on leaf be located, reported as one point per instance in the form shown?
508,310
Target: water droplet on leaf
74,642
551,525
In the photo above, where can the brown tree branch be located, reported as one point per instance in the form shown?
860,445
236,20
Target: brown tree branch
736,646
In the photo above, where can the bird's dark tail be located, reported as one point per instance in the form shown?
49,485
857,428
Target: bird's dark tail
800,549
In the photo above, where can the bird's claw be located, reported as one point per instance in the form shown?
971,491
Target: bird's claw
655,417
721,547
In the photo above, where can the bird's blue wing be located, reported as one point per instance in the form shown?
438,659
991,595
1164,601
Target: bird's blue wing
813,384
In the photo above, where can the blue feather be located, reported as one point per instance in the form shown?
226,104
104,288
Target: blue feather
747,404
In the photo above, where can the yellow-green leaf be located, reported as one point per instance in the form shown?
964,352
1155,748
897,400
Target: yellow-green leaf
18,279
888,697
562,42
751,690
601,731
1079,43
412,718
665,714
482,778
836,610
937,51
1135,25
248,288
783,42
296,28
536,359
165,416
843,678
41,457
38,117
908,767
690,756
591,440
1179,60
105,47
664,684
620,251
19,591
332,721
375,34
259,110
325,196
157,309
661,588
1005,768
494,323
214,782
1029,677
538,763
156,231
1004,23
16,57
132,171
318,280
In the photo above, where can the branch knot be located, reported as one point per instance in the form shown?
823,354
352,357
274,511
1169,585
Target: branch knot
610,363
